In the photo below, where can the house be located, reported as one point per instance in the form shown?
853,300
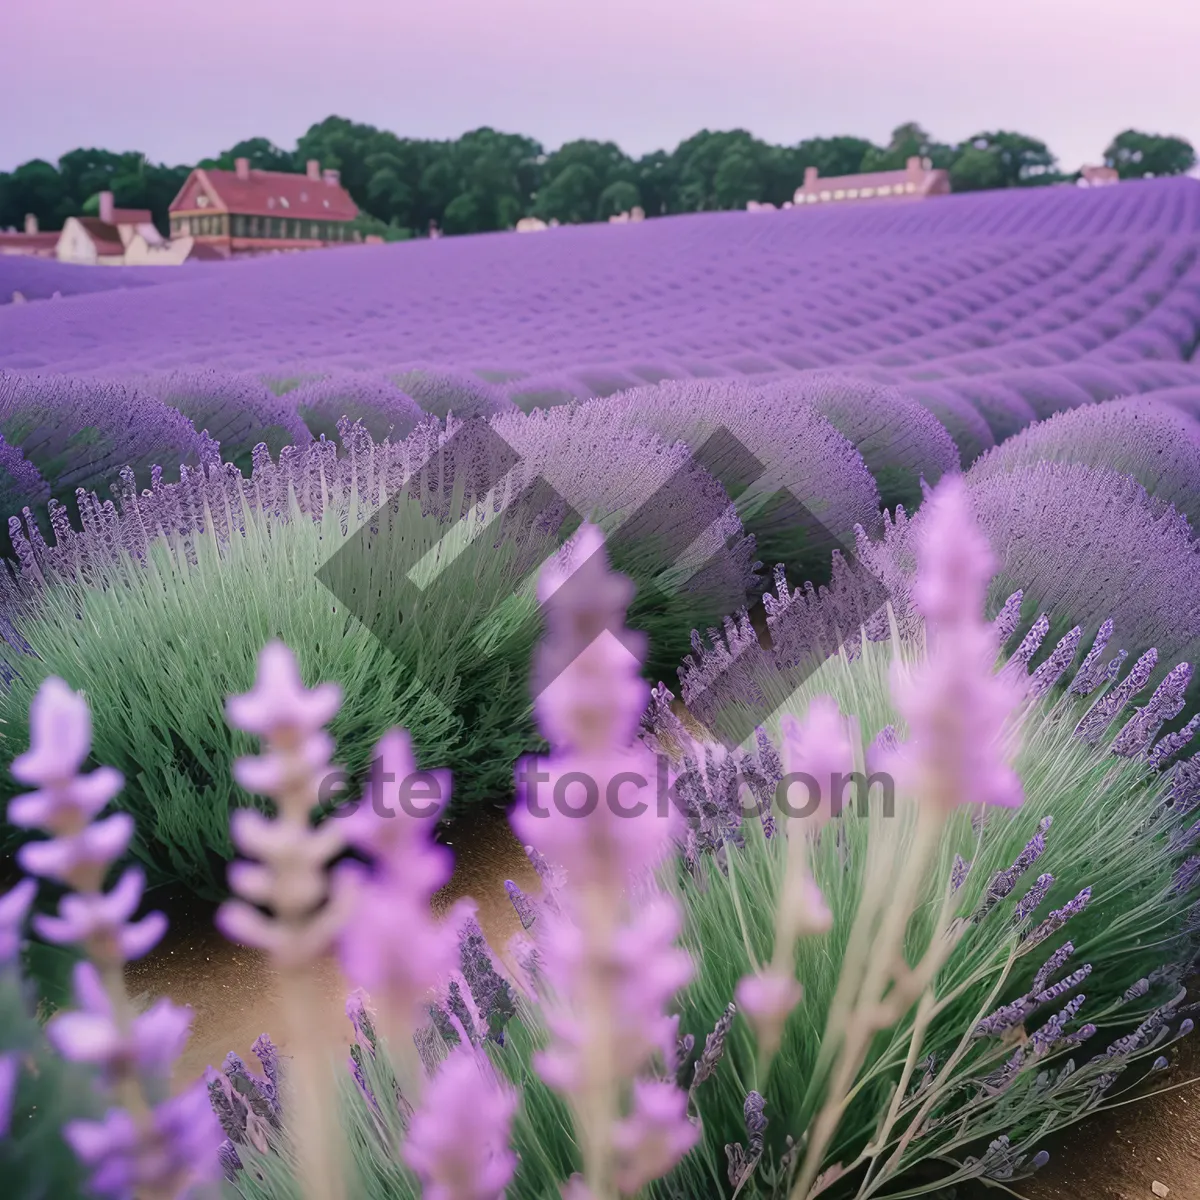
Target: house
1098,177
31,242
246,211
102,240
531,225
142,253
634,214
916,182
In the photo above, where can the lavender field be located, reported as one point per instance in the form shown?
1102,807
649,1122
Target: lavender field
965,562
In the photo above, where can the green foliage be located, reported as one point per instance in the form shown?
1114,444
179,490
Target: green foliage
157,648
1136,155
1001,160
35,1161
1109,833
487,180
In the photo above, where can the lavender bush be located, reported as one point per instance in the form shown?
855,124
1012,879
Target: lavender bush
867,996
183,581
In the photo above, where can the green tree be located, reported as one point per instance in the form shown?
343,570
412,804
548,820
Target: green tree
656,176
1017,161
262,153
619,197
833,156
976,170
576,175
909,140
1137,155
572,196
35,187
738,178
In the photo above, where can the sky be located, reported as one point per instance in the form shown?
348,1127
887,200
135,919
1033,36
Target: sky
181,81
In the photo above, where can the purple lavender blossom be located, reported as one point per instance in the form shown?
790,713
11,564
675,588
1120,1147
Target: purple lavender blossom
1008,618
1167,747
1056,920
1056,665
1032,899
525,906
1003,882
10,1074
1023,654
1052,966
1090,672
959,872
714,1047
1098,718
178,1151
457,1140
756,1123
14,906
1166,702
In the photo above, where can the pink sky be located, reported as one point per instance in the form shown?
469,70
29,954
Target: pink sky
183,80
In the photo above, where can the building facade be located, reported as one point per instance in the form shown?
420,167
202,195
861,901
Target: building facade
917,181
31,242
246,211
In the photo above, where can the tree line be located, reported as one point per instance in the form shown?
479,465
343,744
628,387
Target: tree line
487,180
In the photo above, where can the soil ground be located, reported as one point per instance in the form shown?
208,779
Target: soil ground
1114,1156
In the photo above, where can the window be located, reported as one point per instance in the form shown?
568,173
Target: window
313,230
239,226
852,194
826,196
840,194
910,187
174,226
283,201
254,227
886,190
866,193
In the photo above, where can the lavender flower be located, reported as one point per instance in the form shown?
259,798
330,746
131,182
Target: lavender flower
1032,899
1022,656
756,1123
1166,748
1166,702
1053,966
955,707
958,873
655,1136
1098,718
1056,920
10,1073
393,947
14,905
91,1033
458,1140
525,906
609,956
1003,882
1055,666
714,1047
289,876
66,803
1008,618
1090,673
173,1152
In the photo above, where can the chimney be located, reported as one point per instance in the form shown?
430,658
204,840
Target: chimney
106,207
810,177
332,177
241,167
314,169
914,168
31,226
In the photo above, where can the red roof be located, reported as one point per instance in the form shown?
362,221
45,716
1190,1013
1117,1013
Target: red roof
132,216
106,237
29,243
270,194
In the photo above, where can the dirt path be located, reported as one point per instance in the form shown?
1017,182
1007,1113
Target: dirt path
1115,1156
232,989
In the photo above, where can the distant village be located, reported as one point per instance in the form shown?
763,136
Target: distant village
220,215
